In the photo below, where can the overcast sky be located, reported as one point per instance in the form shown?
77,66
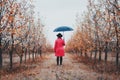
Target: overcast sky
55,13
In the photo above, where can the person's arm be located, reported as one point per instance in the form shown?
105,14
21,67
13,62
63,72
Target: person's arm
63,43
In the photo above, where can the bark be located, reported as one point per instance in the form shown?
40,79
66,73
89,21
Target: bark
117,46
21,56
106,51
116,34
40,51
0,52
100,55
0,44
33,54
11,53
95,56
25,54
12,46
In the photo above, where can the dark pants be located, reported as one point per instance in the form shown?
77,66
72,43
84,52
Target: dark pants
59,60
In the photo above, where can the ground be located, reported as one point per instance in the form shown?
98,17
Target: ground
48,70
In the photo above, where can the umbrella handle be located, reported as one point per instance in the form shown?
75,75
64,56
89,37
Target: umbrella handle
63,35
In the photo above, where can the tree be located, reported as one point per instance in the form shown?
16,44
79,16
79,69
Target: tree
98,29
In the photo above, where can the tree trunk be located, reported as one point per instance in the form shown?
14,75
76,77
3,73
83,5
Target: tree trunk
11,53
21,56
117,38
40,51
33,54
0,58
117,56
117,46
0,52
28,49
86,54
29,52
99,50
11,62
106,51
100,54
81,52
25,54
0,46
95,54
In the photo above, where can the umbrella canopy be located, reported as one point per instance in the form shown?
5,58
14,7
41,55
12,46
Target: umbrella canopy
63,28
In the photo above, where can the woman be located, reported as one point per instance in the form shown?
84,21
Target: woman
59,48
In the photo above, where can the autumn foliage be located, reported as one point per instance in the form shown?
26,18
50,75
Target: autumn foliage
98,31
20,33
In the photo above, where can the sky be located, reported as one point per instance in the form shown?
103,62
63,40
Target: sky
55,13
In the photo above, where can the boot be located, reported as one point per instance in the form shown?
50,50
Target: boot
57,60
60,60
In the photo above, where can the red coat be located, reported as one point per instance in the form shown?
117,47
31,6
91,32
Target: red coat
59,47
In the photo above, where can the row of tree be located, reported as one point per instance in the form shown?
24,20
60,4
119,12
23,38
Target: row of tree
98,31
20,33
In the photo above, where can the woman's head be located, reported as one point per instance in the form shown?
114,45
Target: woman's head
59,35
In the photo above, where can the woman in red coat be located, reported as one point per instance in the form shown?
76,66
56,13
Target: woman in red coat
59,48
